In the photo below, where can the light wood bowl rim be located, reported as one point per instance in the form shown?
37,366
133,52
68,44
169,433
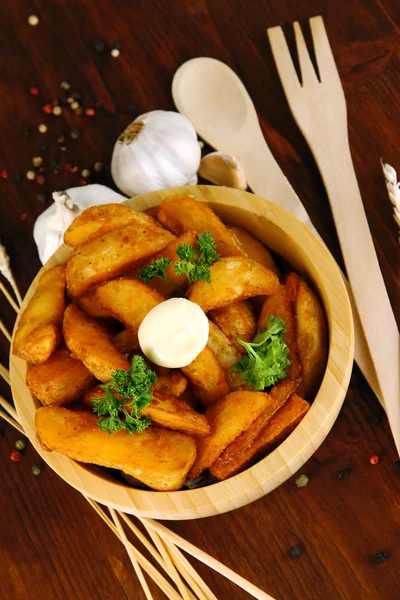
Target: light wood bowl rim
278,466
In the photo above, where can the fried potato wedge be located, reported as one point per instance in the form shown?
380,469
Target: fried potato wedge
277,397
228,418
91,343
91,305
111,254
172,384
224,350
284,421
312,335
280,305
128,300
165,410
254,249
97,220
180,214
60,380
207,377
236,320
162,286
233,279
159,458
126,341
39,328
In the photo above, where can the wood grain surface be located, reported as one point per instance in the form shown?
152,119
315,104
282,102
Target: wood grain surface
52,544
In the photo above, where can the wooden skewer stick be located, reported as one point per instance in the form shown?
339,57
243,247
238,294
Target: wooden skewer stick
134,562
10,409
11,421
208,560
190,574
5,331
162,583
9,297
5,374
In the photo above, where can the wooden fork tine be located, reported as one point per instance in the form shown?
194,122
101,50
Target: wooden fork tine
308,74
323,51
283,61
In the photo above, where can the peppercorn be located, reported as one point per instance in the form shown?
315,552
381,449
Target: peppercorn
4,174
30,175
343,474
60,139
75,134
100,46
37,161
41,198
396,466
20,444
380,557
374,459
34,91
36,470
83,182
79,111
85,173
56,170
47,108
115,52
23,217
40,179
294,552
63,148
57,110
302,481
90,112
33,20
64,85
42,128
74,105
16,456
98,166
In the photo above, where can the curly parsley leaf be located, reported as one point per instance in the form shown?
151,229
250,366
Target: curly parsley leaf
157,268
127,394
266,360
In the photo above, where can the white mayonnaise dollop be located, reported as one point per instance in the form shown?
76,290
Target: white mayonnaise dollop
174,333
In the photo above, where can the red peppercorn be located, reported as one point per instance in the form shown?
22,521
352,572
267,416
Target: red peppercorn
83,182
90,112
374,459
15,456
4,174
23,217
34,91
47,108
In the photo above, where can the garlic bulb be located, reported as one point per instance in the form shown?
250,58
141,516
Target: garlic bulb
222,169
158,150
50,226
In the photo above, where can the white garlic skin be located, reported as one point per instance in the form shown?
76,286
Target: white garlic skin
49,228
163,153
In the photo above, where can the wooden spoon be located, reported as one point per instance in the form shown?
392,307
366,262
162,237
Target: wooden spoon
215,100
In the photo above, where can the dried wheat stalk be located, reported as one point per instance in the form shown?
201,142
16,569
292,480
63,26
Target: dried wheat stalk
393,188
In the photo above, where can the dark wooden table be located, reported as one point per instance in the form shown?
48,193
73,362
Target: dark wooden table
52,544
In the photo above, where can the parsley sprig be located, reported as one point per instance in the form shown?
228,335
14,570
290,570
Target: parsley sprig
266,360
194,262
133,390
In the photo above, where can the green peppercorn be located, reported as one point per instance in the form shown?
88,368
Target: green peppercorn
36,470
20,444
302,481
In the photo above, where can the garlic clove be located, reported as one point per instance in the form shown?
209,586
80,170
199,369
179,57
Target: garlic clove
222,169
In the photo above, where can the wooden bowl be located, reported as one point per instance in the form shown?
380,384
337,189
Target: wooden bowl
287,236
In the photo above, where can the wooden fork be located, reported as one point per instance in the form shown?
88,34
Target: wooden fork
319,108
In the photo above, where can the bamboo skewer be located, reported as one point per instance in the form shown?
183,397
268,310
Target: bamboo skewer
131,555
11,421
8,296
190,574
4,330
9,408
5,374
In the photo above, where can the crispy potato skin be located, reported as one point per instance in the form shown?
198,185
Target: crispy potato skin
173,383
224,350
60,380
157,457
312,334
207,377
233,279
97,220
228,418
91,305
180,214
254,249
39,328
280,305
126,341
231,458
91,343
128,300
111,254
284,421
236,320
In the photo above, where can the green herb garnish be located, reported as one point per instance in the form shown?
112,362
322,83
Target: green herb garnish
133,389
266,360
194,262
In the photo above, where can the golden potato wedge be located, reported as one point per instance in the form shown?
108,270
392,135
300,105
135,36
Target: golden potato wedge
39,328
181,281
173,383
224,350
91,343
233,279
180,214
231,456
60,380
91,305
126,341
228,418
128,300
280,305
111,254
98,220
165,410
236,320
157,457
311,336
153,212
284,421
208,377
254,249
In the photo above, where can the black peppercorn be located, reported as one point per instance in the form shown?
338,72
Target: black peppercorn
343,474
294,552
380,557
100,46
396,466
